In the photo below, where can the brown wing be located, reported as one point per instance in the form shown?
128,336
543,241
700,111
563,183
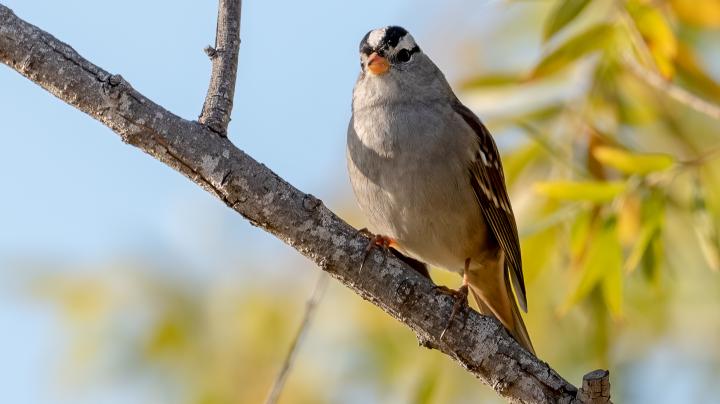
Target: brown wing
488,181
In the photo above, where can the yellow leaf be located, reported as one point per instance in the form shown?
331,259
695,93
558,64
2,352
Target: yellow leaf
563,14
657,34
580,234
629,219
632,163
702,13
595,191
590,40
612,284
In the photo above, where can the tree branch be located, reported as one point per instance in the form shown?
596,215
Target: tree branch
478,343
221,91
677,93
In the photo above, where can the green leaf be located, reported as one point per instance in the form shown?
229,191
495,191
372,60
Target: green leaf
633,163
491,80
641,245
603,266
653,220
590,40
560,16
654,259
595,191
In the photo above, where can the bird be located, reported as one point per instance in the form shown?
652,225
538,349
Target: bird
427,174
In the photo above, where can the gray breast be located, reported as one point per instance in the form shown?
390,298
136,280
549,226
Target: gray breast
409,169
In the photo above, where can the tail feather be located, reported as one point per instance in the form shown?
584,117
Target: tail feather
494,296
519,330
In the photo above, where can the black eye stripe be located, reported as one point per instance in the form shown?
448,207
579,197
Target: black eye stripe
404,55
366,49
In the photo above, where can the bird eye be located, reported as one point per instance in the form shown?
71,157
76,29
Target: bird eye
403,55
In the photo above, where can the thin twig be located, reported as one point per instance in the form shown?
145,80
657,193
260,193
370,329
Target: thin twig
221,91
701,158
310,307
651,76
677,93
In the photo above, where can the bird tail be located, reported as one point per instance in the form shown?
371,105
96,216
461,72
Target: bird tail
491,290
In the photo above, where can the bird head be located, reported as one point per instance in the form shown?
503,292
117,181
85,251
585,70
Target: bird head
385,49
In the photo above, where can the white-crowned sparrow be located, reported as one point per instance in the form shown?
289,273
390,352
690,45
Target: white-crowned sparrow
428,175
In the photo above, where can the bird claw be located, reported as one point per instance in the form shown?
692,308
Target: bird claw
460,296
375,240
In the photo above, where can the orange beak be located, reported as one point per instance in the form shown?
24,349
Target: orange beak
377,64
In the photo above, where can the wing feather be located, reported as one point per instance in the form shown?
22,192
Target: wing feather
488,182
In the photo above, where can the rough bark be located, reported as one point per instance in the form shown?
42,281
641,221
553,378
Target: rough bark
478,343
595,388
221,91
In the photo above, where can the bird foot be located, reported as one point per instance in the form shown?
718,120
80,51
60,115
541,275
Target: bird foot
461,300
376,240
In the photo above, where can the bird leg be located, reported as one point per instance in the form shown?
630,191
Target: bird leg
461,298
375,240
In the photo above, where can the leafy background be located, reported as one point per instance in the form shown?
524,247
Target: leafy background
122,282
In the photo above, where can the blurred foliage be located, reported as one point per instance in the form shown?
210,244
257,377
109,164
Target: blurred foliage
616,184
624,151
626,185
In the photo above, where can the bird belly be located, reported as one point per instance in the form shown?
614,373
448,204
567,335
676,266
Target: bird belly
436,222
418,194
